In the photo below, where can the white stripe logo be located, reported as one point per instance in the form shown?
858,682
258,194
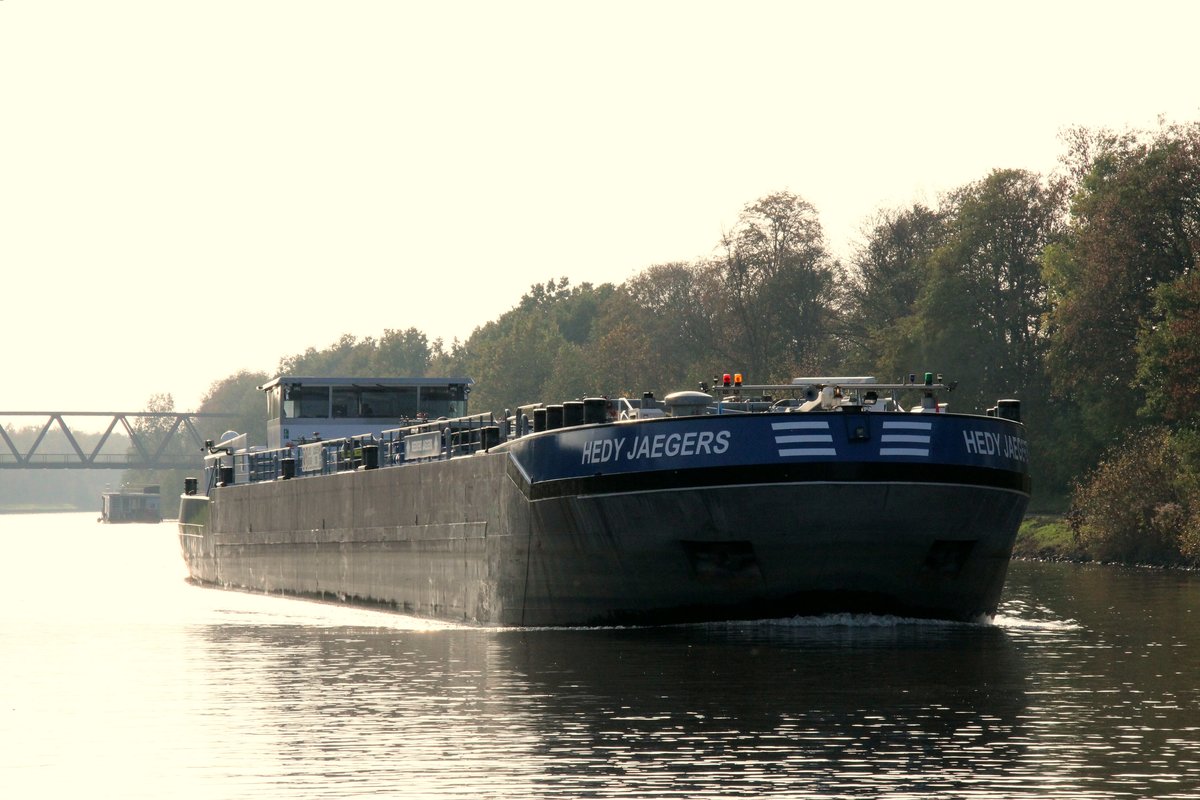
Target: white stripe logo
803,438
905,433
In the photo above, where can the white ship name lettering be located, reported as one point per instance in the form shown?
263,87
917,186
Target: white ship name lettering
669,445
986,443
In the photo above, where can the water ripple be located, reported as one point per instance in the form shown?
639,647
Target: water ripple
127,681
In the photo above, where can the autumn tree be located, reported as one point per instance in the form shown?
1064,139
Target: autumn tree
672,320
346,356
1169,352
984,305
532,352
883,282
239,395
511,362
1135,226
401,354
398,353
777,283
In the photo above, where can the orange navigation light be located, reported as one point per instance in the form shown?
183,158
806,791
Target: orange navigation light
737,379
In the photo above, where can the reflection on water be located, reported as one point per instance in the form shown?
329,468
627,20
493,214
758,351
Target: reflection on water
1115,695
752,709
644,712
126,680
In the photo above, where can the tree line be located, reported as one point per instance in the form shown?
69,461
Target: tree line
1075,292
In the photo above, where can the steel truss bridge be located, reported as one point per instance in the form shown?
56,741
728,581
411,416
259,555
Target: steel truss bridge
177,442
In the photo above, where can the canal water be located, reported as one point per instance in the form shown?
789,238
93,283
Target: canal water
120,679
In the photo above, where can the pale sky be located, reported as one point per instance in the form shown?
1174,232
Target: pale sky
190,189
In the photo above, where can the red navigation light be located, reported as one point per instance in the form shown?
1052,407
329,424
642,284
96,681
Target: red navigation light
737,379
725,379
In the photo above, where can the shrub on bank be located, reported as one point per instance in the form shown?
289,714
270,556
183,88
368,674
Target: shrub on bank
1141,504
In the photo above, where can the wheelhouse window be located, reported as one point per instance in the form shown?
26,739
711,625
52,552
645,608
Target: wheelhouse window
306,401
398,403
388,402
345,402
443,401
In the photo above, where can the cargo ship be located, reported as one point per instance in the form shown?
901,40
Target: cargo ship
824,495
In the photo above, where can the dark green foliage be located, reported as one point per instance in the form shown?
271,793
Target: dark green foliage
402,354
886,278
777,304
1169,352
397,353
239,395
539,349
983,305
513,358
1135,226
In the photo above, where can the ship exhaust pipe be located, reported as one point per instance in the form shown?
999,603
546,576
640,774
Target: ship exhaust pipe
594,410
572,413
1009,409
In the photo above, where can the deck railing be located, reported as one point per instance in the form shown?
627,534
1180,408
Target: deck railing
427,441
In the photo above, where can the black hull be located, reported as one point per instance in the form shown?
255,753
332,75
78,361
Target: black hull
463,540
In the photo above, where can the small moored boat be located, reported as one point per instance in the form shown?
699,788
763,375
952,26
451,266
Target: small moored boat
142,504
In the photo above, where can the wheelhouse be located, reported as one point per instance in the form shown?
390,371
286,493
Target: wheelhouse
305,409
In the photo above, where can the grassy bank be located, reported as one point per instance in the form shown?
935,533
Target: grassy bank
1047,536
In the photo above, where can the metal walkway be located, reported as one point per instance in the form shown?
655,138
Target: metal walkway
178,428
